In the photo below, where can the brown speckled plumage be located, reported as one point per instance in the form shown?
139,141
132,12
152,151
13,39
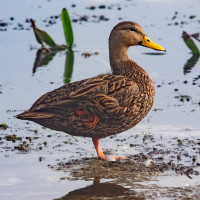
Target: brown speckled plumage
120,100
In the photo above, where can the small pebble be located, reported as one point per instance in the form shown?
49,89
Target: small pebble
110,158
149,163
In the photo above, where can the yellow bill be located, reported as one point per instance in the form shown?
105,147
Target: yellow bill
148,43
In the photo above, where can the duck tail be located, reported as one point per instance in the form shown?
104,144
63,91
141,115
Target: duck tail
33,115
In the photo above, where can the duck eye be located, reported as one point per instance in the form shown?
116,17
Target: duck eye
132,29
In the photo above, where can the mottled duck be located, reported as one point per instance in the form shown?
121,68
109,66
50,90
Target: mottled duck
106,104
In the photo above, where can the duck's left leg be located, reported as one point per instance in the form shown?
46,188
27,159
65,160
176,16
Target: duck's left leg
100,154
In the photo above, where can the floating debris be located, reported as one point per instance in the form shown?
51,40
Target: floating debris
22,147
180,143
183,98
87,18
12,138
3,126
3,24
180,21
87,54
157,109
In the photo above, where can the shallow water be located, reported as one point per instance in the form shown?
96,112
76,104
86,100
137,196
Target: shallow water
36,173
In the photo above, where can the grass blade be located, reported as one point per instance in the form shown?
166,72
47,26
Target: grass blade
67,27
190,43
69,62
45,38
36,36
42,36
196,36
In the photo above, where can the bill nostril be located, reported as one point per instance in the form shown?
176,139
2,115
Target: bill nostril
148,40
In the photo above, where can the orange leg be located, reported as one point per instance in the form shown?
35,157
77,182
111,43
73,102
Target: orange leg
100,154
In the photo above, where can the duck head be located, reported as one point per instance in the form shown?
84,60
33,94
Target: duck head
126,34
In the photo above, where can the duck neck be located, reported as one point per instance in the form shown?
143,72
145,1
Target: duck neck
118,54
120,63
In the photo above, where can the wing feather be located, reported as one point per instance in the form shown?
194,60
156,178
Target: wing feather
108,94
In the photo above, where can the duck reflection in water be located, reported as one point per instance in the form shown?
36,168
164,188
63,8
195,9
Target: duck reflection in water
100,190
106,104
